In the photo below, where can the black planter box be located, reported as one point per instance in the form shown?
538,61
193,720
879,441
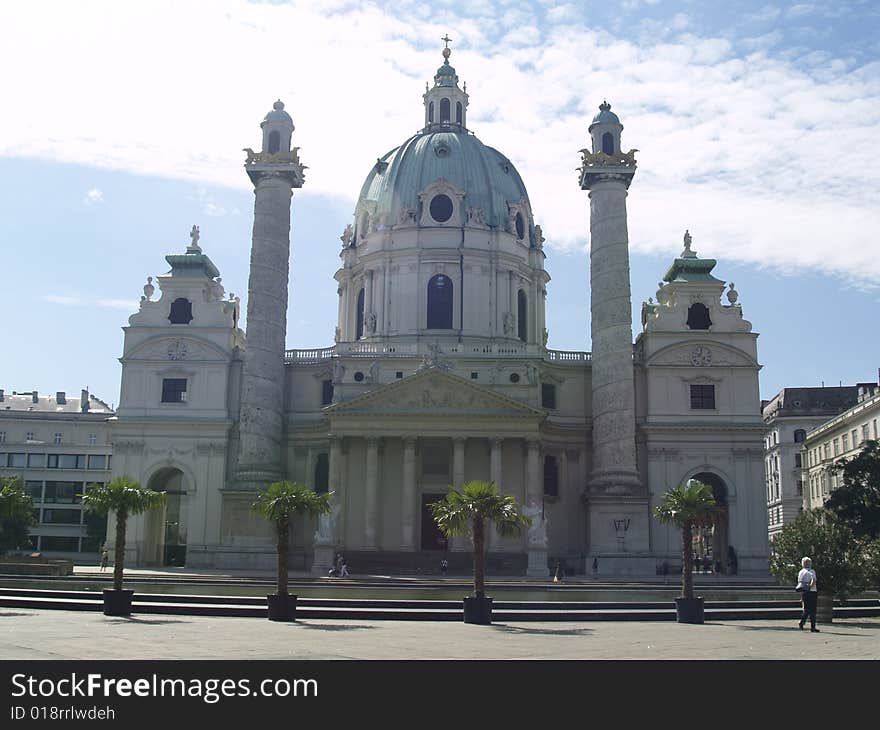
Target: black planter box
689,610
282,608
117,603
477,610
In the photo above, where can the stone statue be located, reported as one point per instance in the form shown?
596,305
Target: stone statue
371,322
346,236
508,323
537,537
149,288
539,237
732,294
532,373
327,522
545,336
687,253
194,235
406,216
337,333
251,155
662,294
374,372
218,291
338,371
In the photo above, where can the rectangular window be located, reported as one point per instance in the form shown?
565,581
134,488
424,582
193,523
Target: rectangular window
845,442
92,439
63,492
864,433
3,436
36,461
97,461
54,543
836,443
797,460
855,435
17,461
326,392
548,395
29,436
174,390
67,461
800,487
34,490
703,397
874,422
61,516
57,439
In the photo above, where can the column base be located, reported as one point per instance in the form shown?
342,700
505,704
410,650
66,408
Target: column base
323,559
537,567
615,481
256,477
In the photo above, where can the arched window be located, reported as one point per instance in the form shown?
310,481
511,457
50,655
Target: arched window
521,315
800,436
359,326
520,225
608,143
698,317
440,303
322,474
444,110
181,311
458,115
274,142
431,112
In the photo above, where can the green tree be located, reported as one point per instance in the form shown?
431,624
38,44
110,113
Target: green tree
16,514
857,500
473,509
839,558
125,497
278,502
687,507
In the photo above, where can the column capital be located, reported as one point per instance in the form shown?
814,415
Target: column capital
409,441
496,441
459,439
373,441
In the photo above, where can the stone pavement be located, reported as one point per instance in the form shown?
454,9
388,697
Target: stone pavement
45,634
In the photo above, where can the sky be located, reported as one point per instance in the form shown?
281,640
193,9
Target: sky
124,121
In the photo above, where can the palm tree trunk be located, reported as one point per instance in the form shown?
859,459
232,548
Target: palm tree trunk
687,561
283,547
119,559
479,558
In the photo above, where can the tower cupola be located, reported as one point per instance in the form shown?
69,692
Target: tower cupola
277,129
445,103
605,130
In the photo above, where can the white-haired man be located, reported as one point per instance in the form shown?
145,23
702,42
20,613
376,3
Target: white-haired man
808,589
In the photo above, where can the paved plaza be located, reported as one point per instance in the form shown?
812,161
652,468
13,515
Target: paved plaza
47,634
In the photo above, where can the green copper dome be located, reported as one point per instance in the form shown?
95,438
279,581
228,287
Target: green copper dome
605,115
487,177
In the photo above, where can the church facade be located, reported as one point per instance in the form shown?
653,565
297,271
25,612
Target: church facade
440,374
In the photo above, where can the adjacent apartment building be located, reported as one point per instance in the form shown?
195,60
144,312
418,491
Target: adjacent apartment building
58,446
789,416
840,437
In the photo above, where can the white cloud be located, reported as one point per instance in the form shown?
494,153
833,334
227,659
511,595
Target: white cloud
80,301
93,197
767,160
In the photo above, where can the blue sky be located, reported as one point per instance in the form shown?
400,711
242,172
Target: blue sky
756,124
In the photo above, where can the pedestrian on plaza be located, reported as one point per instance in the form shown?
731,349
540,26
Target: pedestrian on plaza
104,558
558,573
595,567
808,588
343,569
444,566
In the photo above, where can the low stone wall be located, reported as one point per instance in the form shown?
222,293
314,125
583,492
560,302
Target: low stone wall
28,565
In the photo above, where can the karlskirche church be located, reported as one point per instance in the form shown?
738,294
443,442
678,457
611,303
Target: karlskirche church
440,374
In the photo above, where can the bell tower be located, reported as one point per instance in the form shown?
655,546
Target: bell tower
446,104
275,171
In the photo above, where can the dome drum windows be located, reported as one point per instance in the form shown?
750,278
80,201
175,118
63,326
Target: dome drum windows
441,208
518,217
440,302
444,111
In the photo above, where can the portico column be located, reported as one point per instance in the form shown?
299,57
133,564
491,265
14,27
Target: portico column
371,501
458,544
495,474
408,498
335,483
534,473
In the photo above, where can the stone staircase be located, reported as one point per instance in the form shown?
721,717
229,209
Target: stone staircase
427,562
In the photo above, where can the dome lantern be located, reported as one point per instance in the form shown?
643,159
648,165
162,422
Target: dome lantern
277,129
445,103
605,130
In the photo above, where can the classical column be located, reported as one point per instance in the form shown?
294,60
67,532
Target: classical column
274,172
309,476
534,472
336,483
496,444
371,494
408,497
458,544
607,176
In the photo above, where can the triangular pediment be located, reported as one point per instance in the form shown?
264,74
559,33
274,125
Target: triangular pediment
433,391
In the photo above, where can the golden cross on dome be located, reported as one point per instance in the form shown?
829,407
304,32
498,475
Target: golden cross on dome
446,39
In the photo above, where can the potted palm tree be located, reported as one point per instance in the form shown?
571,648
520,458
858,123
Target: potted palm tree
692,505
125,497
278,502
474,509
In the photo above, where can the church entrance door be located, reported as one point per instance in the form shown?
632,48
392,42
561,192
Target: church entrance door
432,538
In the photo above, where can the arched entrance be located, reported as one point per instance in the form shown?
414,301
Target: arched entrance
712,542
166,527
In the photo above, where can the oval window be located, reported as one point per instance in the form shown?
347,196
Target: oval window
520,227
441,208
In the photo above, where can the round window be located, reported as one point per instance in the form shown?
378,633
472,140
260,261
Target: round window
358,376
520,227
514,378
441,208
